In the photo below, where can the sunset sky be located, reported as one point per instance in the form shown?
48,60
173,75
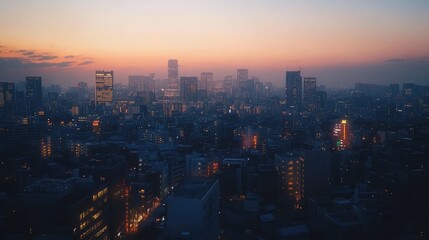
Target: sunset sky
339,42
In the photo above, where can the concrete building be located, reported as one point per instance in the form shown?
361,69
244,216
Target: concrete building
103,87
291,172
193,210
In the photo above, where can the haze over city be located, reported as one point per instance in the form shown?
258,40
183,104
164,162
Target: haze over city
340,42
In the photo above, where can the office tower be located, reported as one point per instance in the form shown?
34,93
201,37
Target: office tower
228,85
310,94
322,96
148,83
205,81
193,210
7,96
341,135
242,75
70,208
291,173
33,93
294,88
188,88
173,74
135,82
141,83
103,87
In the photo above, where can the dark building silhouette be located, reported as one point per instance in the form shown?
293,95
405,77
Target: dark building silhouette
193,210
242,75
33,93
310,94
188,88
205,81
64,209
294,88
7,96
173,74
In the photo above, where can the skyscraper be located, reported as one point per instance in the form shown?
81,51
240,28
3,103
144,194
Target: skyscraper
294,88
33,93
188,88
205,81
135,82
242,75
228,85
310,94
173,74
7,96
103,87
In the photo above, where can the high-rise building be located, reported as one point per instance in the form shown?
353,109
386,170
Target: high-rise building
321,99
173,74
193,210
242,75
141,83
228,85
33,93
65,208
7,96
135,82
294,88
310,94
341,134
291,172
188,88
103,87
205,81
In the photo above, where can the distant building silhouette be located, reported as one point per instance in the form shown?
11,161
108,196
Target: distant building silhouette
310,94
205,81
33,93
188,88
242,75
294,88
7,96
173,74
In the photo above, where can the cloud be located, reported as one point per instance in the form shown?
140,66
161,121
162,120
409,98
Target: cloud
28,53
395,60
85,63
35,56
20,64
44,58
408,60
69,56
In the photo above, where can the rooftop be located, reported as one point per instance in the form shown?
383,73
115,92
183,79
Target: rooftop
295,230
194,188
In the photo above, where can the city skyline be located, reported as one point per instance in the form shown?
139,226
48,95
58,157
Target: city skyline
338,42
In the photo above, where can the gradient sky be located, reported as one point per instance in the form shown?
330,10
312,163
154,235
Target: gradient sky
339,42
